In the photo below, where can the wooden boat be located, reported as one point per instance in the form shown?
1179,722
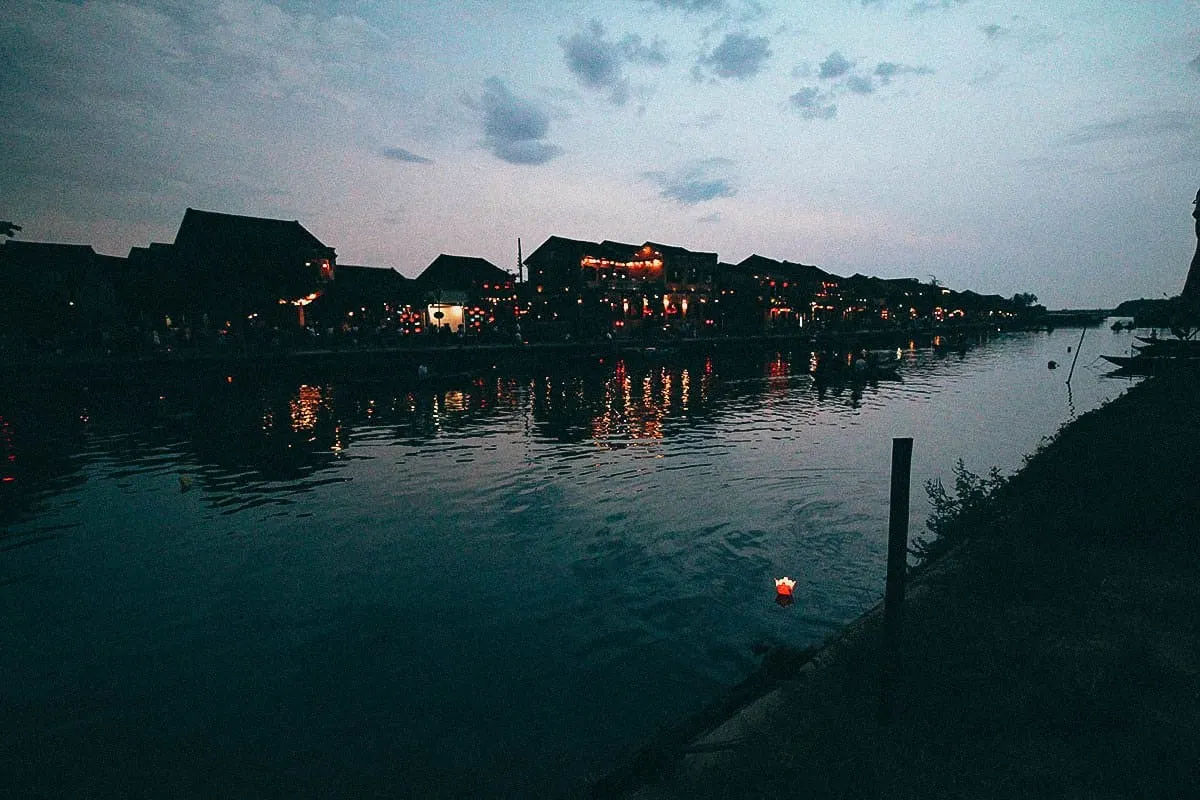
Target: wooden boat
1165,347
872,373
1153,364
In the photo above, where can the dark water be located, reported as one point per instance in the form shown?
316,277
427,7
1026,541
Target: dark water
498,588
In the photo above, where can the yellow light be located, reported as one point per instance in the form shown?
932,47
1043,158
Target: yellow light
300,301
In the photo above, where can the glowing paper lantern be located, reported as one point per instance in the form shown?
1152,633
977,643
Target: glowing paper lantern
783,591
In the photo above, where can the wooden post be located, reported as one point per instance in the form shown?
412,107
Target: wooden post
897,563
1076,358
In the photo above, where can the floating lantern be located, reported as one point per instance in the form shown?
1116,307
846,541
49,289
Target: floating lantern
784,586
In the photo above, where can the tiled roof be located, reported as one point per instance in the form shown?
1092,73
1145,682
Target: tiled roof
209,230
785,270
47,255
374,279
459,272
670,249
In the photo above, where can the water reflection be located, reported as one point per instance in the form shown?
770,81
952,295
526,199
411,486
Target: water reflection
304,407
299,431
279,432
40,438
293,431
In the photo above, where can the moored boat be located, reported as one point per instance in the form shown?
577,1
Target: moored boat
1148,346
1143,364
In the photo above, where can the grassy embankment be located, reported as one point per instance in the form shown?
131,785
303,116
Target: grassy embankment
1054,653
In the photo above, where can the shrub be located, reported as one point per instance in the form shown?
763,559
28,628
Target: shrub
956,513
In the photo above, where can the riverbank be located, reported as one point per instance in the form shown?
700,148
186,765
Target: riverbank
1056,652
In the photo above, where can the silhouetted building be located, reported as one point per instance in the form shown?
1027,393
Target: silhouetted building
468,291
761,291
57,293
596,286
557,264
154,286
686,270
469,274
241,267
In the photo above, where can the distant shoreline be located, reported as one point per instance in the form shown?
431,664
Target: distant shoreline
453,357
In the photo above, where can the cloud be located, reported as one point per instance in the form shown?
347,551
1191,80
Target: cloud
993,31
598,62
1138,126
704,121
922,6
595,61
400,154
698,182
1026,35
860,84
986,75
817,102
164,95
886,70
812,103
637,53
739,55
513,127
691,5
834,66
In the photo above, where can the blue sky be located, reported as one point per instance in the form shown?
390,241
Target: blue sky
1051,147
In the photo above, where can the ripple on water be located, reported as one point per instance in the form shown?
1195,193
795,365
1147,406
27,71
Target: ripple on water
594,549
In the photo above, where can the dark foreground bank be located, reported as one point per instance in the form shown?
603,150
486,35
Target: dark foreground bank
1055,653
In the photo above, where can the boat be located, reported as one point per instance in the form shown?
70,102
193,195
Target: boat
1142,364
837,373
1150,346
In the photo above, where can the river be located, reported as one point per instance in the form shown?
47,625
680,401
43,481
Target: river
500,587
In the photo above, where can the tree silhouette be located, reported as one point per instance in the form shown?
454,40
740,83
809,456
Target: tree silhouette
1024,299
8,229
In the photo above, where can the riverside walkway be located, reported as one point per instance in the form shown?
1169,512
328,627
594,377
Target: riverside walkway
1054,653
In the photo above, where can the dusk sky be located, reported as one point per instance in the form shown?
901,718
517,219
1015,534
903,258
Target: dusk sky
1048,147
